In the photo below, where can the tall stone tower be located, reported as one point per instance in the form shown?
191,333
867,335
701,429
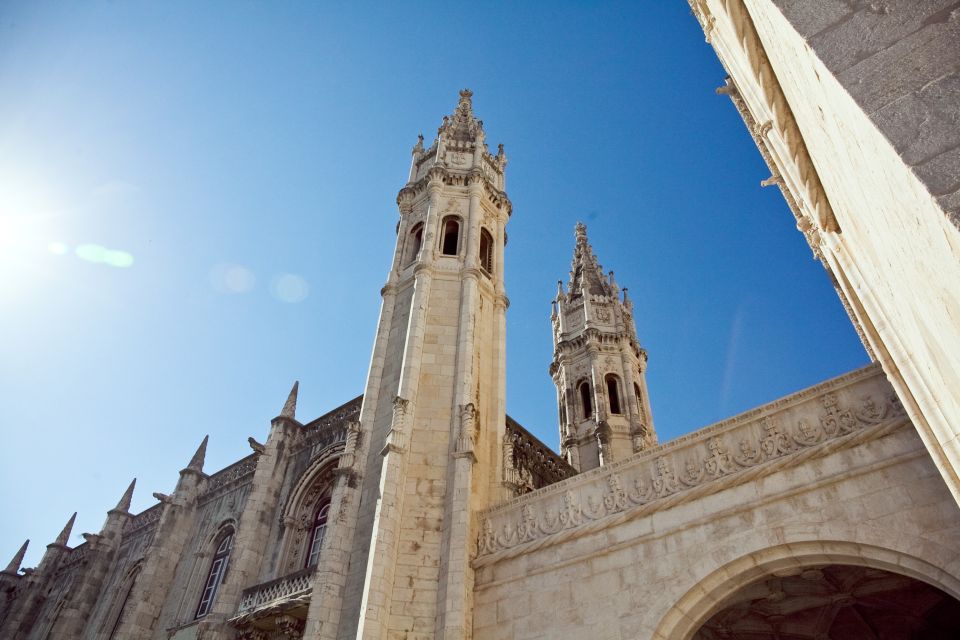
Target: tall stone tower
598,366
433,412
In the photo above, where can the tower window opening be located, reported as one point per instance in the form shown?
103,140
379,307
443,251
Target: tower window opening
486,251
636,390
218,568
613,394
414,243
585,399
451,236
319,531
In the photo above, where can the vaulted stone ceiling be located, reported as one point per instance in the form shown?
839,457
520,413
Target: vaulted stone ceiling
836,602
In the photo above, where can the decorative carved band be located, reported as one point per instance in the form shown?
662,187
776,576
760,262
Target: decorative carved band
845,411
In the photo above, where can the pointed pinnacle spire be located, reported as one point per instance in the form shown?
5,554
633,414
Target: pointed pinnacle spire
462,126
290,406
586,276
196,462
126,498
65,534
14,565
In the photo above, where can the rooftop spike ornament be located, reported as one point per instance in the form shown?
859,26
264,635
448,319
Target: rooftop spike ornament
290,406
14,567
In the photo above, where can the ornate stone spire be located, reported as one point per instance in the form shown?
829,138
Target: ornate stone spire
462,125
586,274
126,498
14,565
196,462
290,406
65,534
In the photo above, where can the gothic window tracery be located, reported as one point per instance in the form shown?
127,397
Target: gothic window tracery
318,533
450,241
218,568
121,603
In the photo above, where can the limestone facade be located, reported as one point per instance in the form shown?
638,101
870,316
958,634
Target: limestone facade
420,510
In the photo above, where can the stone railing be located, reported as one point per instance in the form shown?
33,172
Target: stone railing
528,463
289,587
842,412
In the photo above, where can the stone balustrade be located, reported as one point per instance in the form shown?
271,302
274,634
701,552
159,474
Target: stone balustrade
842,412
293,586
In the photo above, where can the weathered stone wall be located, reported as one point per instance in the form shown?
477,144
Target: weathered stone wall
644,548
855,106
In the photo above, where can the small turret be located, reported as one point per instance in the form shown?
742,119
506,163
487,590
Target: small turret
598,366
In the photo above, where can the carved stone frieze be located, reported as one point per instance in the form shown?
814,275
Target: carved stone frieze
760,441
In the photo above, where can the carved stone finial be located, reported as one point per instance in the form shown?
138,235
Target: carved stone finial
17,560
418,148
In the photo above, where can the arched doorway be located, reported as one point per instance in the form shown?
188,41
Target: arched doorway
698,612
835,602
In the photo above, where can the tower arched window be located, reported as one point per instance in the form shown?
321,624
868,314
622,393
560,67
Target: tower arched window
613,393
450,239
318,533
414,242
636,390
218,568
486,251
585,399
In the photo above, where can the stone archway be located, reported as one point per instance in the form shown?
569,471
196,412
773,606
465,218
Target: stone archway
728,586
834,602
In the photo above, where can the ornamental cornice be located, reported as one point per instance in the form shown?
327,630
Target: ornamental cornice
737,44
437,176
840,413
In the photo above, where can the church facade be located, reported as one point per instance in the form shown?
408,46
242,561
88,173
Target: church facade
421,510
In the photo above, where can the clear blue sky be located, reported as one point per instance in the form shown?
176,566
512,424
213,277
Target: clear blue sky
198,208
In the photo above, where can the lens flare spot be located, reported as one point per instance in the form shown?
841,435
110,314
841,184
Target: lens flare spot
290,288
57,248
232,278
101,255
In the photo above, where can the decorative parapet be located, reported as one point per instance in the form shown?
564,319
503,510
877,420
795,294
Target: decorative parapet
283,593
330,428
143,519
229,477
528,463
839,413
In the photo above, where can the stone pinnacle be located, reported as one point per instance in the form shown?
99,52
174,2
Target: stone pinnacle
290,406
65,534
14,565
196,462
125,499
